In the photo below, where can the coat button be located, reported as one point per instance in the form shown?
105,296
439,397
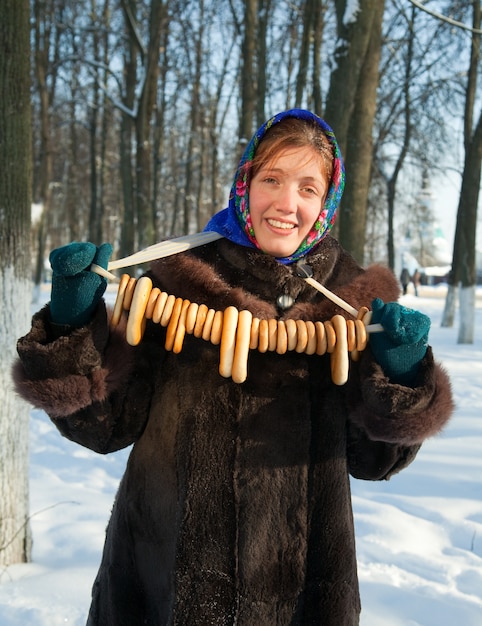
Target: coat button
285,301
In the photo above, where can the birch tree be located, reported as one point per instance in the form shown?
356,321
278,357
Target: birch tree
15,273
463,273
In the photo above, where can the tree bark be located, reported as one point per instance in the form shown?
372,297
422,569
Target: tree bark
43,12
304,59
463,273
407,131
350,109
128,228
318,26
248,85
195,143
264,12
146,219
351,49
15,280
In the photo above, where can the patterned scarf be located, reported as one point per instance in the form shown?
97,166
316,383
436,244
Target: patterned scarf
234,222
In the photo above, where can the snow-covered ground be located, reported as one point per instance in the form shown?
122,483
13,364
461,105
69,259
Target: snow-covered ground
419,536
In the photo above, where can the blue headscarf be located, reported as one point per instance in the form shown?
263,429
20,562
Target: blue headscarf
234,222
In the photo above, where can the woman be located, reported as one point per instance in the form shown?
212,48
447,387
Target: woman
235,505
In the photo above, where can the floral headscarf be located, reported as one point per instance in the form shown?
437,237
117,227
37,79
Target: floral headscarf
234,222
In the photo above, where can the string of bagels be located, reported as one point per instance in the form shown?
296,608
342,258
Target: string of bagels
236,332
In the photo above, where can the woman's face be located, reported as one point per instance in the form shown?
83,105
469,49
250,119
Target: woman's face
285,199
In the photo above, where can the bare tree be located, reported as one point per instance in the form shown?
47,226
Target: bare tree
99,114
406,113
45,38
248,82
416,98
463,271
15,273
264,12
159,91
131,51
146,219
350,109
195,150
311,40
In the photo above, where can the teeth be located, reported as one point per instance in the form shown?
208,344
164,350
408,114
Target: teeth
283,225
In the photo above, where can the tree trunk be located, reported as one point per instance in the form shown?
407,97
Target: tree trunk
74,200
463,274
97,123
43,178
128,217
248,86
159,138
94,217
306,38
15,280
316,103
407,128
195,143
311,39
264,12
104,129
146,224
463,271
353,41
351,109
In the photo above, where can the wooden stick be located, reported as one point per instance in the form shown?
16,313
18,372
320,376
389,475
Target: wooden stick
165,248
305,271
332,296
374,328
102,272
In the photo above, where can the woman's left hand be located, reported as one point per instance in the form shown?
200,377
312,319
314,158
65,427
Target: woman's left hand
404,340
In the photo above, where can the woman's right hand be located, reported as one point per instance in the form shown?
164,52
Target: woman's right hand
76,290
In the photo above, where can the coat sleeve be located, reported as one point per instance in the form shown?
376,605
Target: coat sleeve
388,422
94,386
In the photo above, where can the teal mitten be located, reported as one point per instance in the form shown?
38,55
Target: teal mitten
76,290
403,343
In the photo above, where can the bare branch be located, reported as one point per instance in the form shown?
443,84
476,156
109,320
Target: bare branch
449,20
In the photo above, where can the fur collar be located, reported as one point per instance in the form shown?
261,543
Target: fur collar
221,274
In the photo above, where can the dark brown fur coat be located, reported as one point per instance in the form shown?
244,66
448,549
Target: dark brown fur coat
235,506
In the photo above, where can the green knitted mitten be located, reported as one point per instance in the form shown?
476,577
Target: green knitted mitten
403,344
76,290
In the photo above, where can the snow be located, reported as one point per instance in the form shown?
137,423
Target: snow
419,535
351,11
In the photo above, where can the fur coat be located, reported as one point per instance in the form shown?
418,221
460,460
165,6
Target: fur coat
235,505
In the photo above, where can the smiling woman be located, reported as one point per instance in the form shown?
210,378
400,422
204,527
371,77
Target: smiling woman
235,506
286,198
316,151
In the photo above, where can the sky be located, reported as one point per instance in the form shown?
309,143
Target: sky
419,535
446,192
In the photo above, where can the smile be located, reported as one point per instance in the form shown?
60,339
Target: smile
282,225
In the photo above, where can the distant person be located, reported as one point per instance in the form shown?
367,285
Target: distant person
405,280
416,281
